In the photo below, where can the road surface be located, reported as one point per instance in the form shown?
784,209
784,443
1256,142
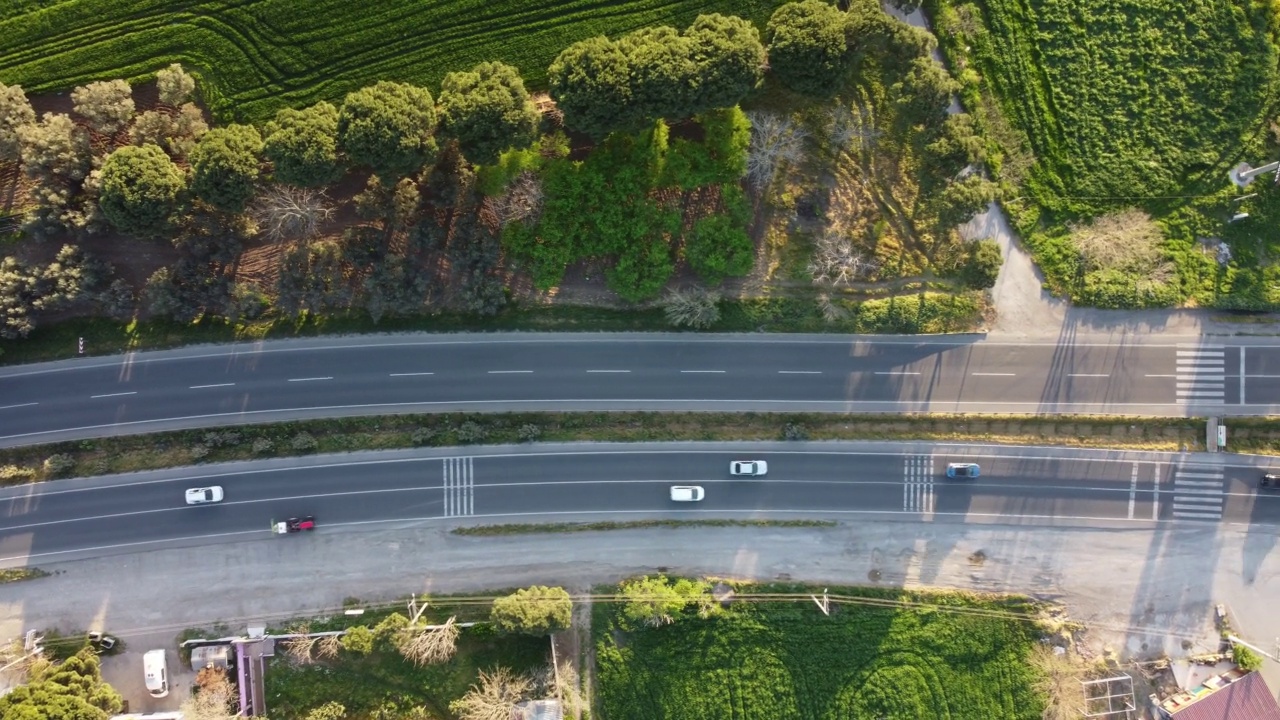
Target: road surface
219,385
1031,486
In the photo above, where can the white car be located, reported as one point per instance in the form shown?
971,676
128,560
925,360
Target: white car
200,496
687,493
752,468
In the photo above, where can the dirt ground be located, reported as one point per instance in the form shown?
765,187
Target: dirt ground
1142,593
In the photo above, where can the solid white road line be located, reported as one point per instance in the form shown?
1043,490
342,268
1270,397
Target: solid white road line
95,397
201,387
1088,375
799,372
608,371
896,372
994,374
410,374
1242,375
702,371
510,372
310,379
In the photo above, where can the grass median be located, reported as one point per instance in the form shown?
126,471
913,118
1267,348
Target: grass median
192,447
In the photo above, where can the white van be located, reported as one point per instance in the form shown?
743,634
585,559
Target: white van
156,672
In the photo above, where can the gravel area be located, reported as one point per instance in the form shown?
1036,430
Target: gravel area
1142,592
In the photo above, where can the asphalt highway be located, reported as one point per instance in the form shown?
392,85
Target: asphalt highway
83,518
207,386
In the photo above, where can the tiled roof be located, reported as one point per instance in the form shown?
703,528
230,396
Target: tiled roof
1248,698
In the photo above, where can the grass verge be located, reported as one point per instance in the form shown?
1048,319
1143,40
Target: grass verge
546,528
12,575
931,313
188,447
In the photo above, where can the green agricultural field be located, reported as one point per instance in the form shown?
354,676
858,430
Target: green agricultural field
1129,103
778,661
258,55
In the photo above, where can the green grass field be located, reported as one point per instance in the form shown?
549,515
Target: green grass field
259,55
1137,98
786,660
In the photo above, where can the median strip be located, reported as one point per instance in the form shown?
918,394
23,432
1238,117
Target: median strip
131,453
545,528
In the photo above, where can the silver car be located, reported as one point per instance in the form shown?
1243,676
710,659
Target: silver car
687,493
750,468
201,496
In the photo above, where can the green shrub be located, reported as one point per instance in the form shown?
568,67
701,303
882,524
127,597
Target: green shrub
471,432
358,640
59,465
537,610
304,442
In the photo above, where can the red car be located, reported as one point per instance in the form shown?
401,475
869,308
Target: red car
293,525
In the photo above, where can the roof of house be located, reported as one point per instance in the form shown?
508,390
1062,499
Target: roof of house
539,710
1248,698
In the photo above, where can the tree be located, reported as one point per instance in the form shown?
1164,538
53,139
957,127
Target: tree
664,77
18,294
388,126
924,93
175,85
54,148
836,260
358,640
303,145
404,203
729,60
107,105
141,188
493,697
717,248
487,110
70,690
224,166
537,610
960,201
300,648
285,213
808,50
15,112
428,645
982,265
591,83
177,134
214,699
651,601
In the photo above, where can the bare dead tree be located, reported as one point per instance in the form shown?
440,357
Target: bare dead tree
521,201
561,683
493,697
836,261
850,126
1124,240
215,701
429,645
300,647
328,646
692,307
775,141
285,212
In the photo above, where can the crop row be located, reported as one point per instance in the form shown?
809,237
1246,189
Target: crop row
259,55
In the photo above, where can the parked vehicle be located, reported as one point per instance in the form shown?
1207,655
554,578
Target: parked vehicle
294,524
155,671
200,496
687,493
963,470
749,468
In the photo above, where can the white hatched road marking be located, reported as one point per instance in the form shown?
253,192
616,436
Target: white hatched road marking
459,486
1201,373
1198,493
917,488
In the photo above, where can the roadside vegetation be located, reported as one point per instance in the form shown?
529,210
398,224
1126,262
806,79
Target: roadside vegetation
554,528
1112,135
187,447
787,170
893,654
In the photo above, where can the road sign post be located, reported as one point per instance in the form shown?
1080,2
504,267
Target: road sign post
1222,436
